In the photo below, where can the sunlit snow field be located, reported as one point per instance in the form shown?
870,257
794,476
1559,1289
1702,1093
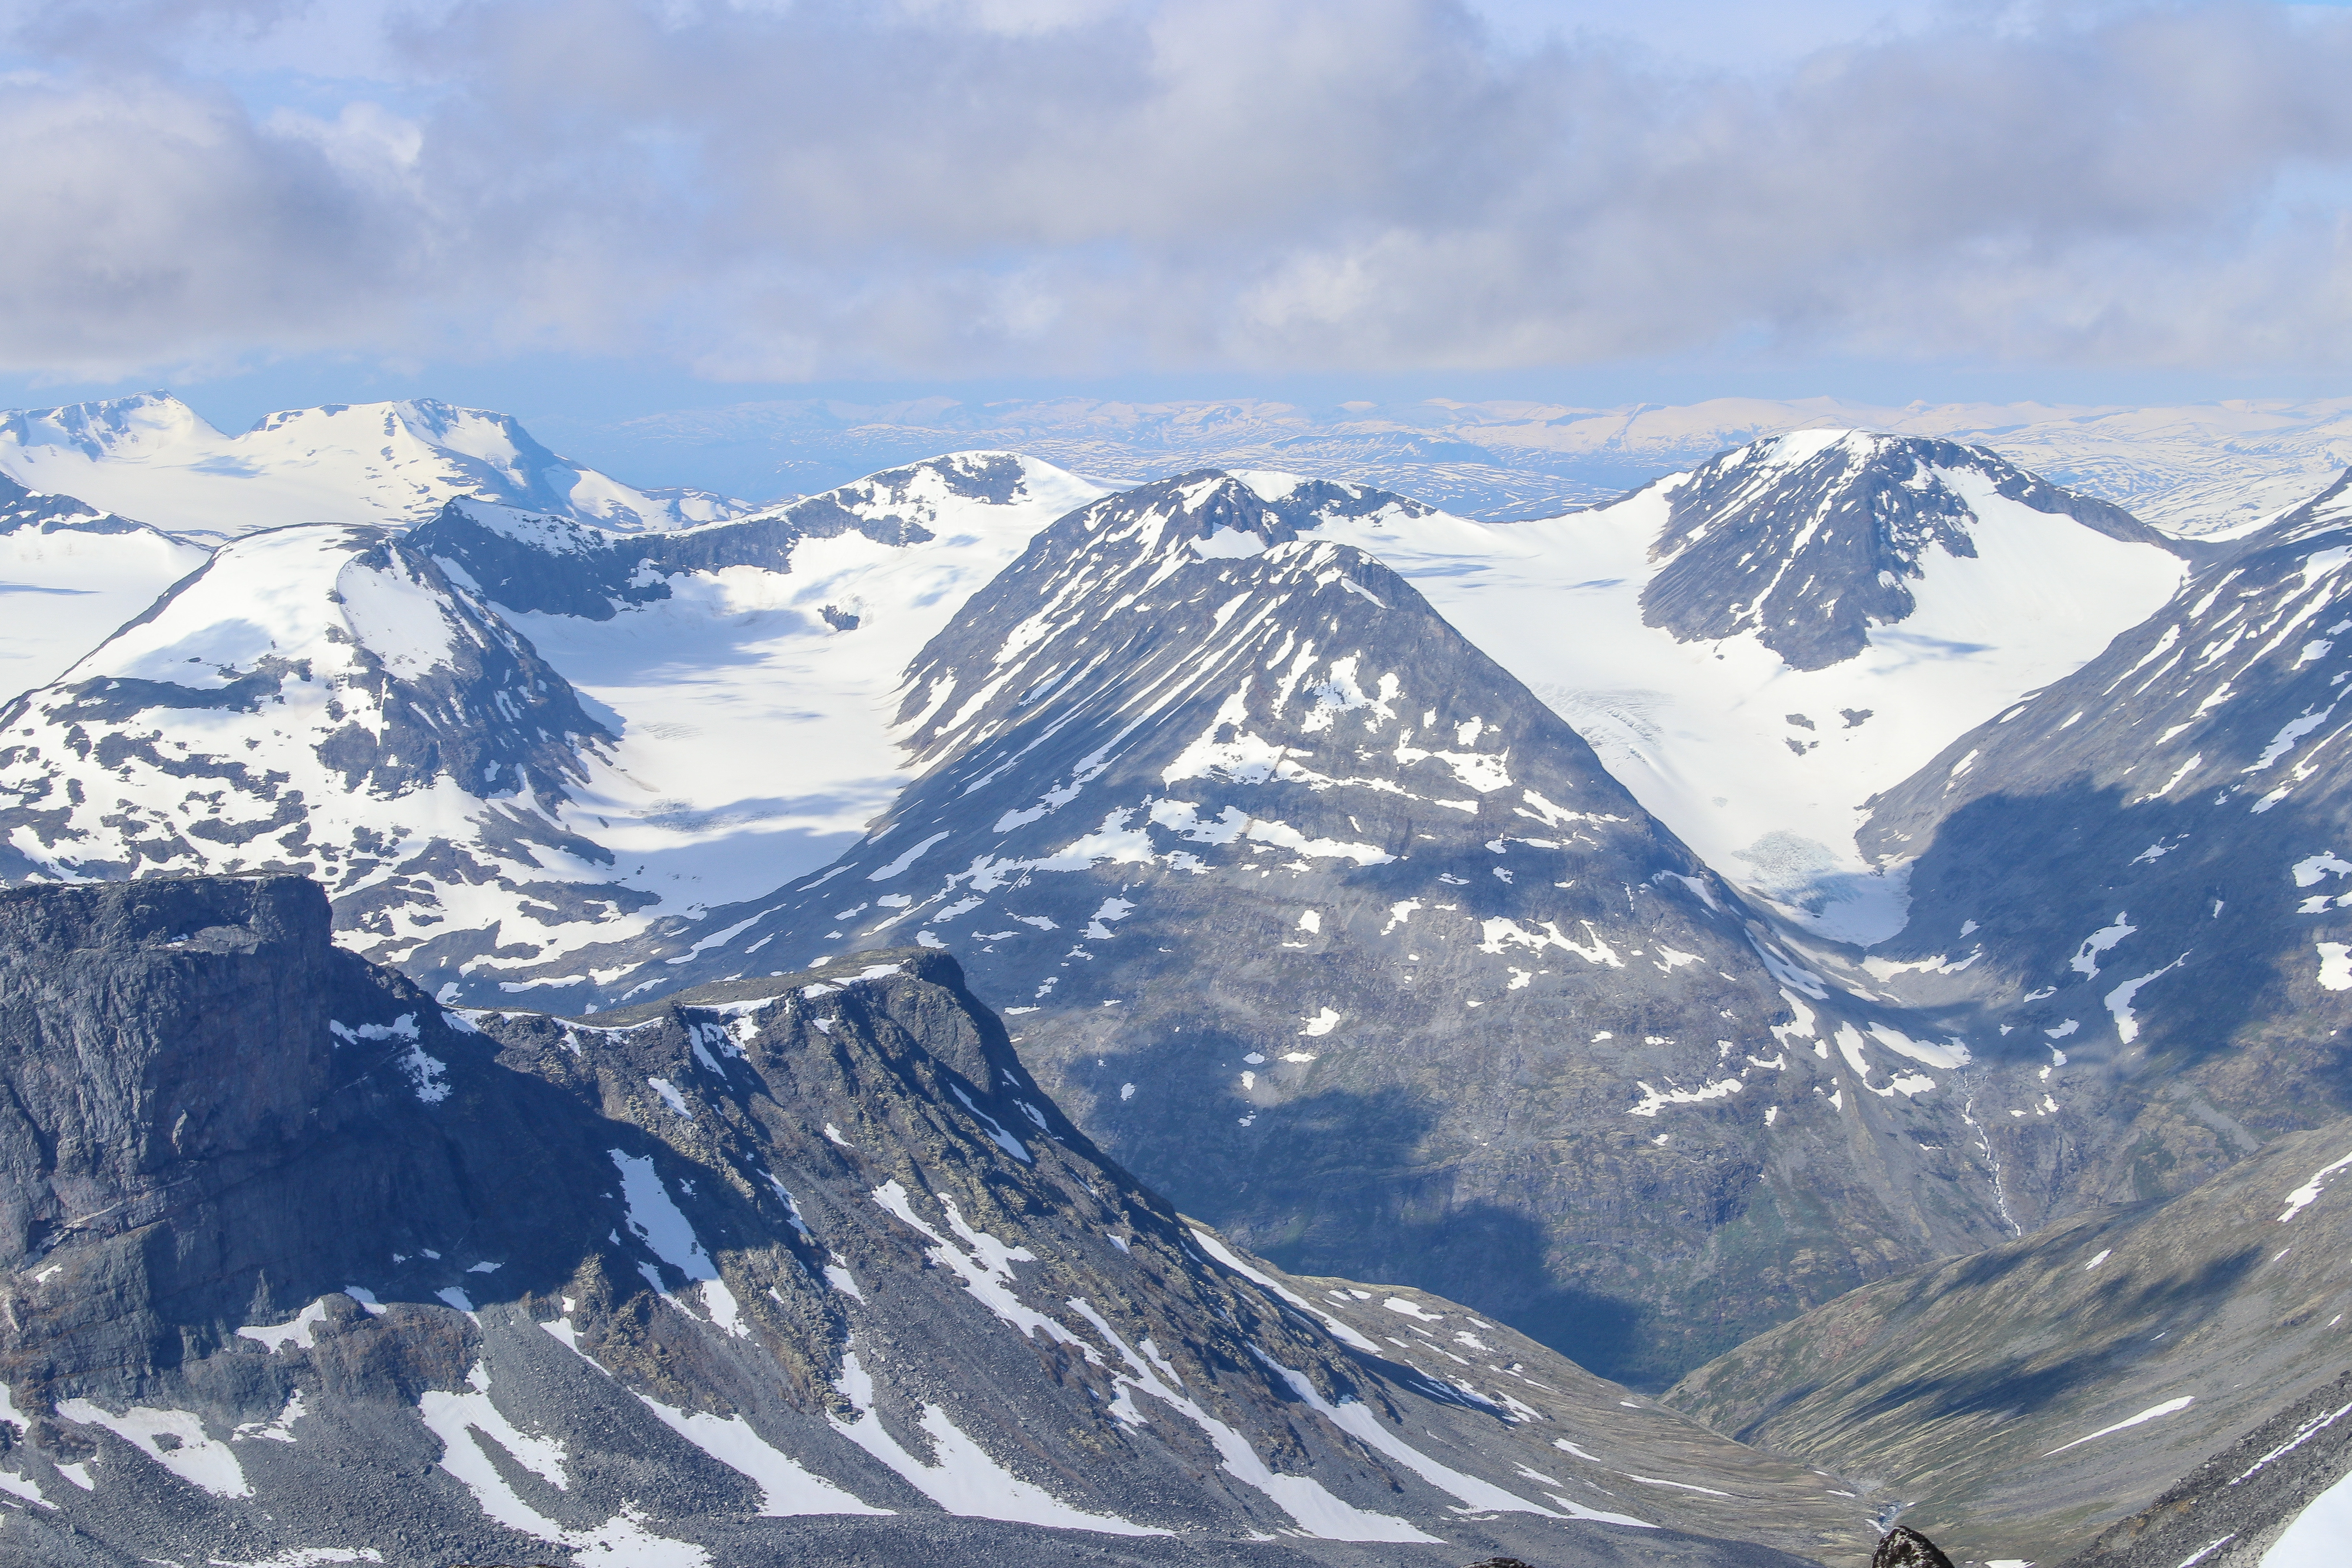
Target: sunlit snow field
755,741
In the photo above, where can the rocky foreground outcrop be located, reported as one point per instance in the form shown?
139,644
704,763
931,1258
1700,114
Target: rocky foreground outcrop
297,1267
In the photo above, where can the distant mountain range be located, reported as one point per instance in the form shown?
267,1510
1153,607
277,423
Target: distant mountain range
1639,930
153,457
2193,469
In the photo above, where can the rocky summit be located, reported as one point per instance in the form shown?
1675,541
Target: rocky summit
1329,930
302,1267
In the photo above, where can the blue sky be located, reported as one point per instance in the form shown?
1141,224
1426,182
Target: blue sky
600,208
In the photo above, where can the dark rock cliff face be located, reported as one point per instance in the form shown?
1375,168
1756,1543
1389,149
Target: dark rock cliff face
128,1086
300,1268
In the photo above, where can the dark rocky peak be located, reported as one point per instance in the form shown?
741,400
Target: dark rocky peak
536,561
1805,541
1101,560
752,1276
937,1017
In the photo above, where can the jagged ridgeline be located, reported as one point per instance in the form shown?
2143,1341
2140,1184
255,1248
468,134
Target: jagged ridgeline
1316,918
302,1269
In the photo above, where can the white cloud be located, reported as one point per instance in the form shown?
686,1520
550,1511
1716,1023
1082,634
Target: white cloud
995,186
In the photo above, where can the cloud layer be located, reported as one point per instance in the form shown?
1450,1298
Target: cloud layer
809,189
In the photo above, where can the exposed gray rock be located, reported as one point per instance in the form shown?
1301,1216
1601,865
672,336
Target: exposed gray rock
44,514
1323,923
299,1264
1904,1547
2232,1508
1809,541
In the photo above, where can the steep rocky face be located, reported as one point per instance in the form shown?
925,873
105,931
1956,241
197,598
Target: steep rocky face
2133,875
304,1267
2017,1402
1320,922
1808,540
219,1048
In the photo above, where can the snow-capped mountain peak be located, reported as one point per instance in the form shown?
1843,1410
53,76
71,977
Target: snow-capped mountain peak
152,457
1807,542
324,700
383,710
1758,644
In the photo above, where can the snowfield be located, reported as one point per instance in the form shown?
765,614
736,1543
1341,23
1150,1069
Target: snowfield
154,458
1765,769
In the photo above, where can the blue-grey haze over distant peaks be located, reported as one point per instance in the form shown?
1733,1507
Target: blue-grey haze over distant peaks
2189,468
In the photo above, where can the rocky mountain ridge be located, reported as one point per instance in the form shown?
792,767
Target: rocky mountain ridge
787,1272
1302,903
2129,873
357,705
1316,919
1758,644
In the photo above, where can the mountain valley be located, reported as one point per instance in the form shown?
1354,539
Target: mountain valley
799,1268
1798,984
2004,1399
